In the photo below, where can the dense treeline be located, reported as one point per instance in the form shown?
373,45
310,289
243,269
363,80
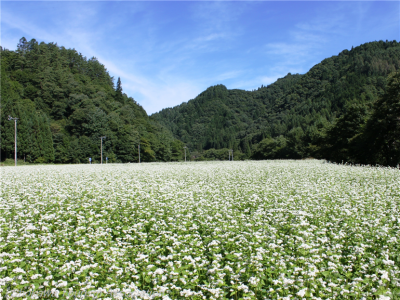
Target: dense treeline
335,111
366,133
65,103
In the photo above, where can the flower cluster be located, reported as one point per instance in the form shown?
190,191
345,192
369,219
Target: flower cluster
204,230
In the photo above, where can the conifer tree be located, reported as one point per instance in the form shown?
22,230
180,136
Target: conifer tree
118,91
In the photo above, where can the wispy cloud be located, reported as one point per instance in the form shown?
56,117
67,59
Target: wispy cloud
228,75
307,39
154,95
255,83
217,16
168,52
18,24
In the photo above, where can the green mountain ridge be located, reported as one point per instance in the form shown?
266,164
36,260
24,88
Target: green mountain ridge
291,113
65,103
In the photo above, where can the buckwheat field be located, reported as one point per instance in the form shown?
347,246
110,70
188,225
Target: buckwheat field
204,230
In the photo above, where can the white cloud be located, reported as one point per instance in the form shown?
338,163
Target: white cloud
12,21
307,39
162,65
255,83
154,95
227,75
216,16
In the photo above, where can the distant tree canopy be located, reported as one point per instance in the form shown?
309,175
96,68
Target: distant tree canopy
65,102
323,113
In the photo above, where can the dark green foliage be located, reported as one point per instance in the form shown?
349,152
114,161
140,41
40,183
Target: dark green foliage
382,131
316,114
367,133
65,102
34,136
176,151
272,148
118,92
339,143
378,140
221,154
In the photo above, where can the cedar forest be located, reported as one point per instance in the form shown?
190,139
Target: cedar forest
345,109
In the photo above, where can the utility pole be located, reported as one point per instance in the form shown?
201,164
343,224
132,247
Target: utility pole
102,137
229,153
139,151
232,154
185,152
15,143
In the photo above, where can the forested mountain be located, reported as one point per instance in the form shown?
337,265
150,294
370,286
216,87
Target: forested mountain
346,108
300,115
65,103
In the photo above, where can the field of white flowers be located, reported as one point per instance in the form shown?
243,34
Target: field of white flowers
206,230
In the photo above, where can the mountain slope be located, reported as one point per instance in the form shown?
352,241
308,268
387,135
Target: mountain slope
294,108
65,103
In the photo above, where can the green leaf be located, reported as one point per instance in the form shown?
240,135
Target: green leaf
326,273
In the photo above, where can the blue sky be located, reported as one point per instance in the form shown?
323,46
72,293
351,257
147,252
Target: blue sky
167,53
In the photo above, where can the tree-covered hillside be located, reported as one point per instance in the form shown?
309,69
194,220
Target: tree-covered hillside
346,108
293,117
65,103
